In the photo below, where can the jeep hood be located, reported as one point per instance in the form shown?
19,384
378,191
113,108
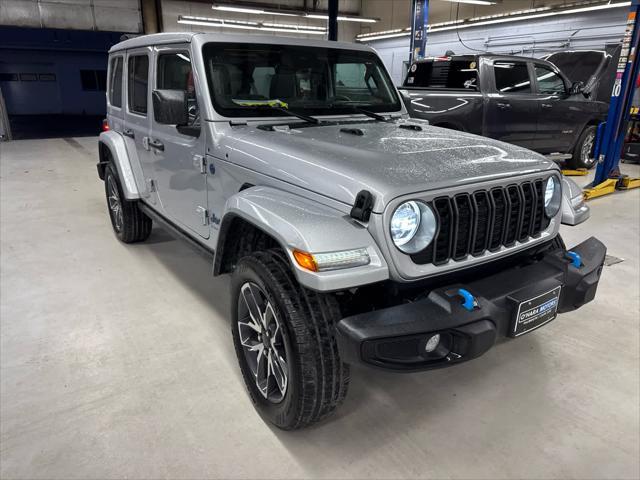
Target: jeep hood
338,161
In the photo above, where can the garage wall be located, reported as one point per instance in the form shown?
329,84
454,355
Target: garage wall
171,9
589,30
100,15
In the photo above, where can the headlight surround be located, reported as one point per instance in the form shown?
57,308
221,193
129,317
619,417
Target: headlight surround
552,196
413,226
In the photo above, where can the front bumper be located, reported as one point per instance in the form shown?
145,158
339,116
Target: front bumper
394,338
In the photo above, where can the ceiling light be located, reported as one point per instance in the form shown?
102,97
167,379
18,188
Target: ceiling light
342,18
242,25
290,13
473,2
226,8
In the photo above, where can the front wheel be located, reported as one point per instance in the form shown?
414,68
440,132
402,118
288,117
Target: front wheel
284,340
583,151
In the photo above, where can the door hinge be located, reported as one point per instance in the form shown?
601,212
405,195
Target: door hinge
152,185
204,215
200,162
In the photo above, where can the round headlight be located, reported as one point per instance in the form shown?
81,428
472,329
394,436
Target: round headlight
405,223
413,226
552,197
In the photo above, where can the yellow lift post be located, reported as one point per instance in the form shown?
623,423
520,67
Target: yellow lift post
580,172
623,183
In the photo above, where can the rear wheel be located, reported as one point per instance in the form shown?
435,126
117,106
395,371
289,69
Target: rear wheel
129,223
583,151
284,340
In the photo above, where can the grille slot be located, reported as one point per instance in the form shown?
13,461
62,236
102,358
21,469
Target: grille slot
472,223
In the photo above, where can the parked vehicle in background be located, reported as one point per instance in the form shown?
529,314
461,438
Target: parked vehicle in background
524,101
352,233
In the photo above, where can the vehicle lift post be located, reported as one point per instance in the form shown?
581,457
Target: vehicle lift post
609,145
419,26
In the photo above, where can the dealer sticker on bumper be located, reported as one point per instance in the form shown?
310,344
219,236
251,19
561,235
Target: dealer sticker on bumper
536,312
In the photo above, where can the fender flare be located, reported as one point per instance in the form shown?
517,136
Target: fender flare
116,145
298,223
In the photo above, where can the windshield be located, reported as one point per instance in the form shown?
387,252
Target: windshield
246,79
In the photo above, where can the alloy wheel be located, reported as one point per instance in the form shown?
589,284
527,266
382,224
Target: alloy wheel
586,153
115,205
263,341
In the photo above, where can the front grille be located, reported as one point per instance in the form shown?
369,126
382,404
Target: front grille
472,223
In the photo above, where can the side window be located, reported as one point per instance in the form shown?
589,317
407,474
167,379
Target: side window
549,81
115,82
174,73
512,77
137,83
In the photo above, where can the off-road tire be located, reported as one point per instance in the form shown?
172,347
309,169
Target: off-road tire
318,379
578,160
133,225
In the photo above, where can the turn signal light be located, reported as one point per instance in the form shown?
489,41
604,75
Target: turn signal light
320,262
305,260
105,125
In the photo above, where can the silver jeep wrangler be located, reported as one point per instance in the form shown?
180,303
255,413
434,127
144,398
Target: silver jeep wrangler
352,233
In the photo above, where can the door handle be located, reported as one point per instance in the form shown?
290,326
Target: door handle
129,133
157,144
547,105
504,106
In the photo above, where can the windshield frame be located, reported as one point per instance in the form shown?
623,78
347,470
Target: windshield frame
246,112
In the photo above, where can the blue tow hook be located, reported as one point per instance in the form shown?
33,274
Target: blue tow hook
576,259
469,300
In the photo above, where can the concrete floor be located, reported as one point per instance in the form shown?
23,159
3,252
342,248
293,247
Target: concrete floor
117,361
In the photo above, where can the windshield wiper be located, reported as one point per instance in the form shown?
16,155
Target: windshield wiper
277,105
368,113
364,111
301,116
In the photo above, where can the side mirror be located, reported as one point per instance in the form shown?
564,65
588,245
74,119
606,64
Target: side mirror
577,87
170,107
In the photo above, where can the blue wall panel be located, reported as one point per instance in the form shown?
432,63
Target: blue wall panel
40,70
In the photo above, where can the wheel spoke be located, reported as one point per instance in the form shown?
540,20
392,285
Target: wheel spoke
248,335
278,368
262,373
269,316
252,306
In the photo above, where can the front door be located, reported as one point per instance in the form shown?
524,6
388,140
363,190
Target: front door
559,113
511,108
179,151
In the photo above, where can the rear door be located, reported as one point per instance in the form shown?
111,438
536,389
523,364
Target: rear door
179,151
560,114
137,125
511,109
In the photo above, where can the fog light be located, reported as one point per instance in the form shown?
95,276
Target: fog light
432,343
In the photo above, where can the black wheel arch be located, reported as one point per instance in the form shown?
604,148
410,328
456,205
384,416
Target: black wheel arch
239,237
104,157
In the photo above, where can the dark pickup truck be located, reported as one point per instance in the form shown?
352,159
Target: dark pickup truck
524,101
